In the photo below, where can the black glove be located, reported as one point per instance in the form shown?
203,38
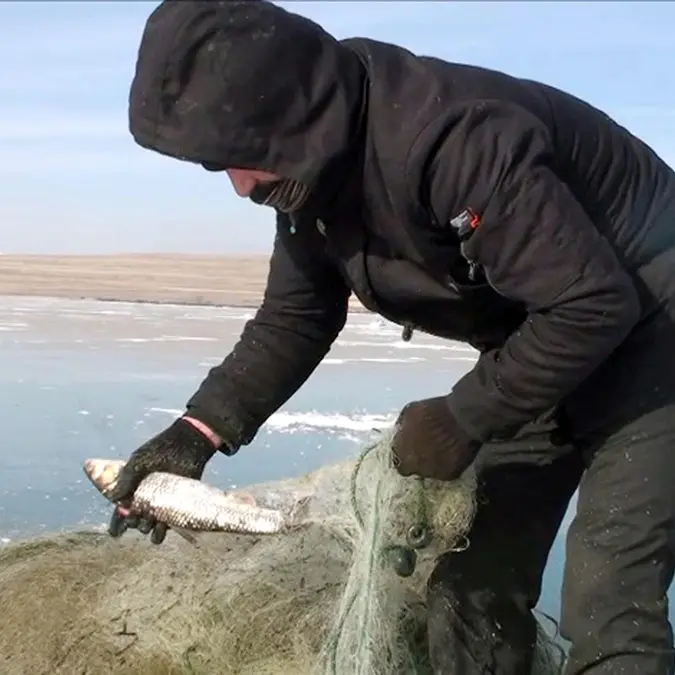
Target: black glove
429,442
180,449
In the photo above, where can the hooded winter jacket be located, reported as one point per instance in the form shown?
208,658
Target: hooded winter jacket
451,199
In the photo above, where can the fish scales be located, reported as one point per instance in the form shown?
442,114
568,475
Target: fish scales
188,504
194,505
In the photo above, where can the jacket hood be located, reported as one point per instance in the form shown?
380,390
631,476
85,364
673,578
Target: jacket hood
245,84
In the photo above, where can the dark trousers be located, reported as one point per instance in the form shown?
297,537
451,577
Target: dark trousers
617,446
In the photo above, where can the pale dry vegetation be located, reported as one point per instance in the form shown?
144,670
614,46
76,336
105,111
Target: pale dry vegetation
161,278
85,604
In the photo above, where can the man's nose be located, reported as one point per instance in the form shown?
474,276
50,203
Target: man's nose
242,182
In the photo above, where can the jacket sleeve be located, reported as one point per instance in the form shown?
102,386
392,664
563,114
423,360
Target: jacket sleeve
536,245
304,308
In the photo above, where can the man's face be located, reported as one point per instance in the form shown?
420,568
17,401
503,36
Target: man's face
254,184
265,188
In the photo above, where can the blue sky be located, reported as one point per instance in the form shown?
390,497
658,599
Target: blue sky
72,180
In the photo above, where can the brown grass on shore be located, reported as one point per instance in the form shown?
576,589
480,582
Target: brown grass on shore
161,278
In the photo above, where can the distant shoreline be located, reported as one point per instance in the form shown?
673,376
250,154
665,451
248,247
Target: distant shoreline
162,279
136,301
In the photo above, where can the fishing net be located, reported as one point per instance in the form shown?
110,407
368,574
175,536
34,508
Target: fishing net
343,595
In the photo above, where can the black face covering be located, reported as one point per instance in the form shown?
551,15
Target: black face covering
263,191
285,195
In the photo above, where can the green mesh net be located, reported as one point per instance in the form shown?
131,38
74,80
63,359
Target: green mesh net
343,595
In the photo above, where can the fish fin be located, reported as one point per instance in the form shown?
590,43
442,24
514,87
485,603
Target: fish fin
243,498
190,537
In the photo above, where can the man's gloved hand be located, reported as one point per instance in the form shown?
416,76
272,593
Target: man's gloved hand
180,449
430,443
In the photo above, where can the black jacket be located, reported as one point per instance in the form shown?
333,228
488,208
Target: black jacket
450,199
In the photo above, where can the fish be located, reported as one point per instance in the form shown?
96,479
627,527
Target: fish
187,504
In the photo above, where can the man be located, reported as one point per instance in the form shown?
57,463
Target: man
477,207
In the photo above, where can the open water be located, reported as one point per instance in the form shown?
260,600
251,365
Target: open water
83,378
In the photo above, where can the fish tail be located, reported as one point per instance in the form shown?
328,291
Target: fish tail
298,514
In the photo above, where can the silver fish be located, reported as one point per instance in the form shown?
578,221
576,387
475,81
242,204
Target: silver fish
189,504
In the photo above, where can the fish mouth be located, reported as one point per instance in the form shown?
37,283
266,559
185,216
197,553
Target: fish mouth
102,473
